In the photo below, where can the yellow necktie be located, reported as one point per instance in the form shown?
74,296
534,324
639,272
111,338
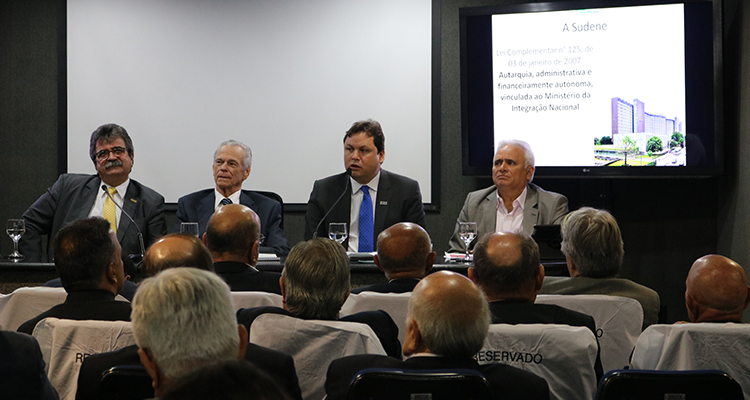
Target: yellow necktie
110,212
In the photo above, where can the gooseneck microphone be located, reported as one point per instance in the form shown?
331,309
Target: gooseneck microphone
140,235
347,174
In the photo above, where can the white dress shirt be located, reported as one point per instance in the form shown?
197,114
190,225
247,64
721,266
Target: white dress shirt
218,197
510,221
357,197
98,209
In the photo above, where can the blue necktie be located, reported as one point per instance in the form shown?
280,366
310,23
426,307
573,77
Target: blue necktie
366,224
225,201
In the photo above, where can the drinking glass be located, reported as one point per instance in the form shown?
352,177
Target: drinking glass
467,231
189,228
337,231
15,229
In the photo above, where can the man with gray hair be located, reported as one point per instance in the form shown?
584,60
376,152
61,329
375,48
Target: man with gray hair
405,256
314,284
183,319
593,248
446,325
513,203
231,166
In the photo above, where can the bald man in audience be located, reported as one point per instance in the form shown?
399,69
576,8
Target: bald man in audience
594,251
404,255
508,270
446,325
177,250
233,237
717,290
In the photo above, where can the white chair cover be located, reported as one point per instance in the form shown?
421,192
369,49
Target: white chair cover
618,323
66,343
395,304
313,344
26,303
255,299
683,347
561,354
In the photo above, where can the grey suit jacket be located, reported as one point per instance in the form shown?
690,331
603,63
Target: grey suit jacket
540,208
72,197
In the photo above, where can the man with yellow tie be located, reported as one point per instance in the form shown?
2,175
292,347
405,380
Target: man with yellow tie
78,196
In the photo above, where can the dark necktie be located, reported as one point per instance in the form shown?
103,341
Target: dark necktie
225,201
366,224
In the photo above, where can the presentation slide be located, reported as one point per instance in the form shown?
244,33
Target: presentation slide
595,87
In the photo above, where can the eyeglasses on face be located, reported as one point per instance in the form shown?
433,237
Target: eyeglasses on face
102,155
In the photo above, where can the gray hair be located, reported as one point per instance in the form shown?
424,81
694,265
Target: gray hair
499,278
316,279
185,318
592,240
247,159
450,329
528,155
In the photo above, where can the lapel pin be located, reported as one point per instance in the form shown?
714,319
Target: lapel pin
383,203
133,200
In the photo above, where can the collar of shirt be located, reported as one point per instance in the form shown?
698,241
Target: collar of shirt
97,210
423,355
373,185
357,196
218,197
518,203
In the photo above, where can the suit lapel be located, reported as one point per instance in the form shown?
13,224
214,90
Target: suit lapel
381,201
530,210
246,200
88,197
489,213
205,209
130,205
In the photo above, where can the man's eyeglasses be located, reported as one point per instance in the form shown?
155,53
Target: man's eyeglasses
104,154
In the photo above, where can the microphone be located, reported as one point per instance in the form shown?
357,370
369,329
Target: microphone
347,174
140,235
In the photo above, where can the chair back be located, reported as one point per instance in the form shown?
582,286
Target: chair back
618,323
561,354
26,303
401,384
682,347
629,384
313,344
255,299
125,382
395,304
274,196
66,343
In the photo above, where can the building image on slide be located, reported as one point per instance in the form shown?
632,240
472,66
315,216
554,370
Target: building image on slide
633,121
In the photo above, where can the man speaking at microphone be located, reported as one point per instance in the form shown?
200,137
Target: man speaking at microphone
366,197
79,196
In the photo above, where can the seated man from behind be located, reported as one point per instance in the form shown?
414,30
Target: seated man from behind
446,324
233,237
183,319
507,269
177,250
716,290
87,259
22,373
405,256
593,249
315,284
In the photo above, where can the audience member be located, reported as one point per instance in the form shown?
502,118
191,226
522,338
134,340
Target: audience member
315,284
233,237
507,269
593,249
228,380
405,256
183,319
177,250
231,167
716,290
87,259
446,325
22,373
513,203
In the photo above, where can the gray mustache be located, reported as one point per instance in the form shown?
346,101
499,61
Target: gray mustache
112,163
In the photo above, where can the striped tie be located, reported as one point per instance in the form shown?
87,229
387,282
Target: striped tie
225,201
110,212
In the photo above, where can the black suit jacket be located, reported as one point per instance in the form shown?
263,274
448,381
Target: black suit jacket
275,363
98,305
72,197
22,373
521,311
507,383
380,322
199,206
243,278
398,200
403,285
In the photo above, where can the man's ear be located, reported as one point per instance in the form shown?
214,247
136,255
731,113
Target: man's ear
153,370
254,252
376,260
413,339
572,270
430,261
472,274
283,291
243,341
203,239
692,308
539,281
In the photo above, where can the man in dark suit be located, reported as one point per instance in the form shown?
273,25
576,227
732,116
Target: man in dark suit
405,256
507,268
446,324
77,196
233,237
232,164
513,203
22,373
389,198
315,284
87,258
